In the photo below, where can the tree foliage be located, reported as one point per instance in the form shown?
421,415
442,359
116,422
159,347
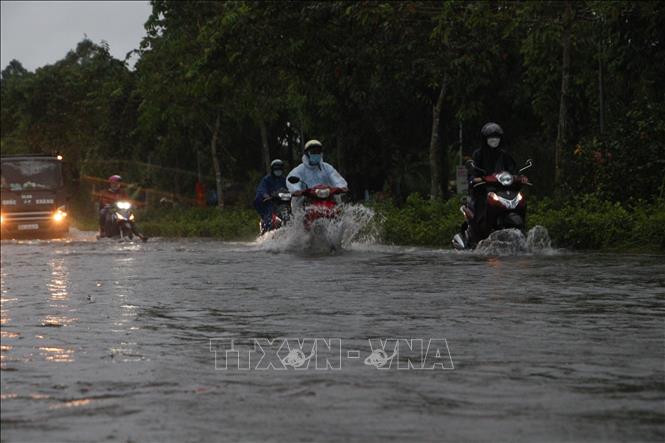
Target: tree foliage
241,82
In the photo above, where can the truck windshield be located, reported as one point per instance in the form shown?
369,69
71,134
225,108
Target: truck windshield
23,175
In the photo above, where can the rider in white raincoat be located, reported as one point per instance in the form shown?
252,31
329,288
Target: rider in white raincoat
313,171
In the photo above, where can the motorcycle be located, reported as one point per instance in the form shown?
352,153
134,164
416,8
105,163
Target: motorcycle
119,222
505,206
281,211
320,202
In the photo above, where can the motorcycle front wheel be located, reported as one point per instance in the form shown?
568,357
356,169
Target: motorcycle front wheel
126,231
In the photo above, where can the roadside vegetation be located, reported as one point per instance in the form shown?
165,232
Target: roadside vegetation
220,88
587,223
229,224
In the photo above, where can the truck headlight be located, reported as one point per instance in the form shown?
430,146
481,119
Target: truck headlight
59,215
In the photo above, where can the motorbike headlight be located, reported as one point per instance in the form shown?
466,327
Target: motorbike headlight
119,216
123,205
519,196
323,193
284,196
131,217
505,178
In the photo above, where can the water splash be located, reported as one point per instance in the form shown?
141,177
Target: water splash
538,239
353,225
513,242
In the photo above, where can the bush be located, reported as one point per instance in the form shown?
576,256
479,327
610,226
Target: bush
421,222
584,223
226,224
587,222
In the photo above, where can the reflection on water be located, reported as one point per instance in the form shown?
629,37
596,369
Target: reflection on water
495,262
5,300
4,309
3,349
59,282
72,403
59,309
123,274
60,355
5,319
57,320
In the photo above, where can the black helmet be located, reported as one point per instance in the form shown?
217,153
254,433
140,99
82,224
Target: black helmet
276,164
491,129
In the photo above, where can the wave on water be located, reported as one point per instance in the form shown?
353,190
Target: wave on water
74,236
352,227
513,242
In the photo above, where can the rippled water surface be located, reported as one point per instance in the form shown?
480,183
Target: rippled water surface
112,342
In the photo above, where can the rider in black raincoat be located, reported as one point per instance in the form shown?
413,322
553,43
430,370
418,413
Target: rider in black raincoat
491,158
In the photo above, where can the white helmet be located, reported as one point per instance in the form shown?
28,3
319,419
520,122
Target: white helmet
311,144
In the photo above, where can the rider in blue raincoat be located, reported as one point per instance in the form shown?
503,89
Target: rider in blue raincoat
270,184
314,171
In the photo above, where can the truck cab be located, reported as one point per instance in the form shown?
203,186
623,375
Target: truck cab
34,196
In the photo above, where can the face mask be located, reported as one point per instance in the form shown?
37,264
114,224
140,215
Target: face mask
493,142
278,172
314,159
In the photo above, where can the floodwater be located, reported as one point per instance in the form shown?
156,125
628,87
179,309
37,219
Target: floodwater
106,341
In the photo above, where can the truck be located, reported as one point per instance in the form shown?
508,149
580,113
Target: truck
35,193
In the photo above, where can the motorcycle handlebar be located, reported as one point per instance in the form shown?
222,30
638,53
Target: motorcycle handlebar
521,179
312,191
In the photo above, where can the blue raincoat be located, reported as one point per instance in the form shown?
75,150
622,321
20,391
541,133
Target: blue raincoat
268,185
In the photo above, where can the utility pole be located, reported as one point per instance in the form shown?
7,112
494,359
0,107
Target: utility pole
462,184
562,127
461,141
601,79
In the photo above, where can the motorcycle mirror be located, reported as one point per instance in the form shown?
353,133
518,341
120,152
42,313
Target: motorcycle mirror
293,179
528,164
470,164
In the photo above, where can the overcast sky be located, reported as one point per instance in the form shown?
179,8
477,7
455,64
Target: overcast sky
39,33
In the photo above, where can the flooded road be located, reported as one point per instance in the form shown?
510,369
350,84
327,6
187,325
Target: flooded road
104,341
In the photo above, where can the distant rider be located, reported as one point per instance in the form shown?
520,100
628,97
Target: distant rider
314,171
269,186
107,198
